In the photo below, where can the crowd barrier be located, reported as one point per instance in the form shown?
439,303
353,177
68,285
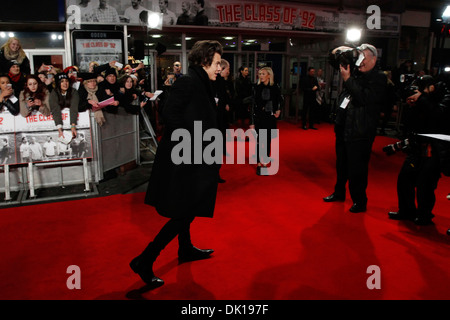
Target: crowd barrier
34,157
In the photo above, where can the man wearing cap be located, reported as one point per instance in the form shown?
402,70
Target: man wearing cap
358,111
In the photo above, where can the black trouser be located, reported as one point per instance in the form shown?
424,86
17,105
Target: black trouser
264,120
309,113
419,177
352,165
174,227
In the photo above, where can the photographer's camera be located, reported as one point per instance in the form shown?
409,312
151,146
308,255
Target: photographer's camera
401,145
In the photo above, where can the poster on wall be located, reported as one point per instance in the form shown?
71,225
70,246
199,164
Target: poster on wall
249,14
97,46
36,139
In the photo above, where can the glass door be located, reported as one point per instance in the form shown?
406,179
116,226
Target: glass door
164,66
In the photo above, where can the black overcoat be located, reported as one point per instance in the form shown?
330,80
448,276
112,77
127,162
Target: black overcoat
179,190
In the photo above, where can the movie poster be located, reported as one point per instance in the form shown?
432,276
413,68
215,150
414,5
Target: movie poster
36,139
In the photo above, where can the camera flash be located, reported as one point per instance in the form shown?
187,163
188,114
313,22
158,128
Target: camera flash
353,35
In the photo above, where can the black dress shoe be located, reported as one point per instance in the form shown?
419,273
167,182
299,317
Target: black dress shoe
334,197
400,216
313,128
423,221
305,128
448,232
193,254
358,208
145,272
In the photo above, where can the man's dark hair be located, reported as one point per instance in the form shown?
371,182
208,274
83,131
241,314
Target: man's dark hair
201,3
202,53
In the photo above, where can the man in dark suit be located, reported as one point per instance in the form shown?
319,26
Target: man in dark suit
310,85
200,19
357,116
183,191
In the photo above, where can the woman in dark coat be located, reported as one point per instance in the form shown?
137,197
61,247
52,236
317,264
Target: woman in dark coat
266,110
184,191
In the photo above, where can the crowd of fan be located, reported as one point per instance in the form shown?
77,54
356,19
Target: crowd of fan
50,89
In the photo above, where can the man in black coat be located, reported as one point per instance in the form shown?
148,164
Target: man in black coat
357,116
184,190
310,85
421,170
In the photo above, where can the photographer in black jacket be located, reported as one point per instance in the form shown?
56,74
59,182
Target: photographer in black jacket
427,157
357,115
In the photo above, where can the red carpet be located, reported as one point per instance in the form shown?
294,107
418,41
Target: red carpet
274,238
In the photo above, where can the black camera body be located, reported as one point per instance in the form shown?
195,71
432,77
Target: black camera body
401,145
344,58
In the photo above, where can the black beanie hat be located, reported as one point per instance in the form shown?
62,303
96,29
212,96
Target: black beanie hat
12,63
61,76
110,71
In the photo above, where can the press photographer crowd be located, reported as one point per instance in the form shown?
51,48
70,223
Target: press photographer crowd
366,103
423,132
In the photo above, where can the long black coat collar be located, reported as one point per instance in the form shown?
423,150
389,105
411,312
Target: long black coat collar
200,73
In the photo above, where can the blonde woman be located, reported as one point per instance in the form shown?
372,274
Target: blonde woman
266,110
12,51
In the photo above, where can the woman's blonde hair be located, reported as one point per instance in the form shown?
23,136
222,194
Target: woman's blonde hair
270,72
7,51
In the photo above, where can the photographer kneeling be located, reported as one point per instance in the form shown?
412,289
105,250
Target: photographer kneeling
358,111
421,170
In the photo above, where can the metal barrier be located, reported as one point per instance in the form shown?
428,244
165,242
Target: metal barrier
114,144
